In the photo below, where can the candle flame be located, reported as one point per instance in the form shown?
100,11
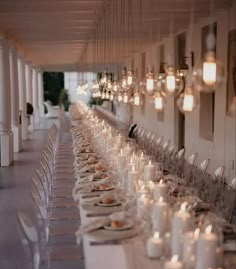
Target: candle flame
183,206
161,181
161,199
150,162
141,154
174,258
208,229
133,168
196,233
156,235
121,151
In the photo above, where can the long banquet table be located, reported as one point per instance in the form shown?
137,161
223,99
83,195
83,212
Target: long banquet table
120,254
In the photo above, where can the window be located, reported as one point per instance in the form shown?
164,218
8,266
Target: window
161,114
207,100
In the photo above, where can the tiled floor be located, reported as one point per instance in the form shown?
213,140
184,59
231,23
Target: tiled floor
15,195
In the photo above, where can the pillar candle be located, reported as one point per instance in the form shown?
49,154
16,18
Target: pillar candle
206,250
173,263
142,206
149,171
160,216
181,223
133,177
160,190
189,248
141,163
154,246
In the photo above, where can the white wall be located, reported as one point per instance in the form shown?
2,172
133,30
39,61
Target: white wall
222,149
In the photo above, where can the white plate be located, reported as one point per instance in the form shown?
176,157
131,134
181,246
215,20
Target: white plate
108,205
128,225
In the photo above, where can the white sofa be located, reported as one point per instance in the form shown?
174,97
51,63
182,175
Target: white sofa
53,111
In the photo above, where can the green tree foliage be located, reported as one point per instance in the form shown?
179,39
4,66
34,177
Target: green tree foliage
53,83
64,99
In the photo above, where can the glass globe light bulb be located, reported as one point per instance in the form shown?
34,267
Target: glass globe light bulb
111,97
187,101
208,74
170,80
115,86
136,99
109,85
107,95
99,94
123,82
159,101
119,97
129,78
125,98
103,95
150,83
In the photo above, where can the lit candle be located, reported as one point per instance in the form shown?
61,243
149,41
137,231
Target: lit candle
133,177
121,160
160,190
206,250
181,223
173,263
142,206
189,248
141,163
160,216
154,246
149,171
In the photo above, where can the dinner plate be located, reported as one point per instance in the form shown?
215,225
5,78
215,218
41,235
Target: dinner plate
108,205
124,227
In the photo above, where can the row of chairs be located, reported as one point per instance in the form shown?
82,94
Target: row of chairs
50,236
214,189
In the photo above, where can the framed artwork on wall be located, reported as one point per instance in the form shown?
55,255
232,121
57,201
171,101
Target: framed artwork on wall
231,79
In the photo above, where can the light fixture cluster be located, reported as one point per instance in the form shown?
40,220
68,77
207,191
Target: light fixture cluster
182,83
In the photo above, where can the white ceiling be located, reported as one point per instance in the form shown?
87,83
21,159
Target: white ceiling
54,33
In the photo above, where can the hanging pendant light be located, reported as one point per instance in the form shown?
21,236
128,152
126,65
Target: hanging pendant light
103,95
150,83
99,95
119,97
111,96
137,99
129,78
208,75
173,83
125,98
188,100
115,86
107,95
159,100
109,85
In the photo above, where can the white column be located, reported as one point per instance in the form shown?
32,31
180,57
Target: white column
22,95
41,98
15,123
35,97
29,92
28,74
6,148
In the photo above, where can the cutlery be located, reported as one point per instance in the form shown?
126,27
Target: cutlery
106,242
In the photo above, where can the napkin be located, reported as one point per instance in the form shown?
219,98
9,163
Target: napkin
92,226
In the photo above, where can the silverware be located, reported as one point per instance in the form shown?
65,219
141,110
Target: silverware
90,196
106,242
89,215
